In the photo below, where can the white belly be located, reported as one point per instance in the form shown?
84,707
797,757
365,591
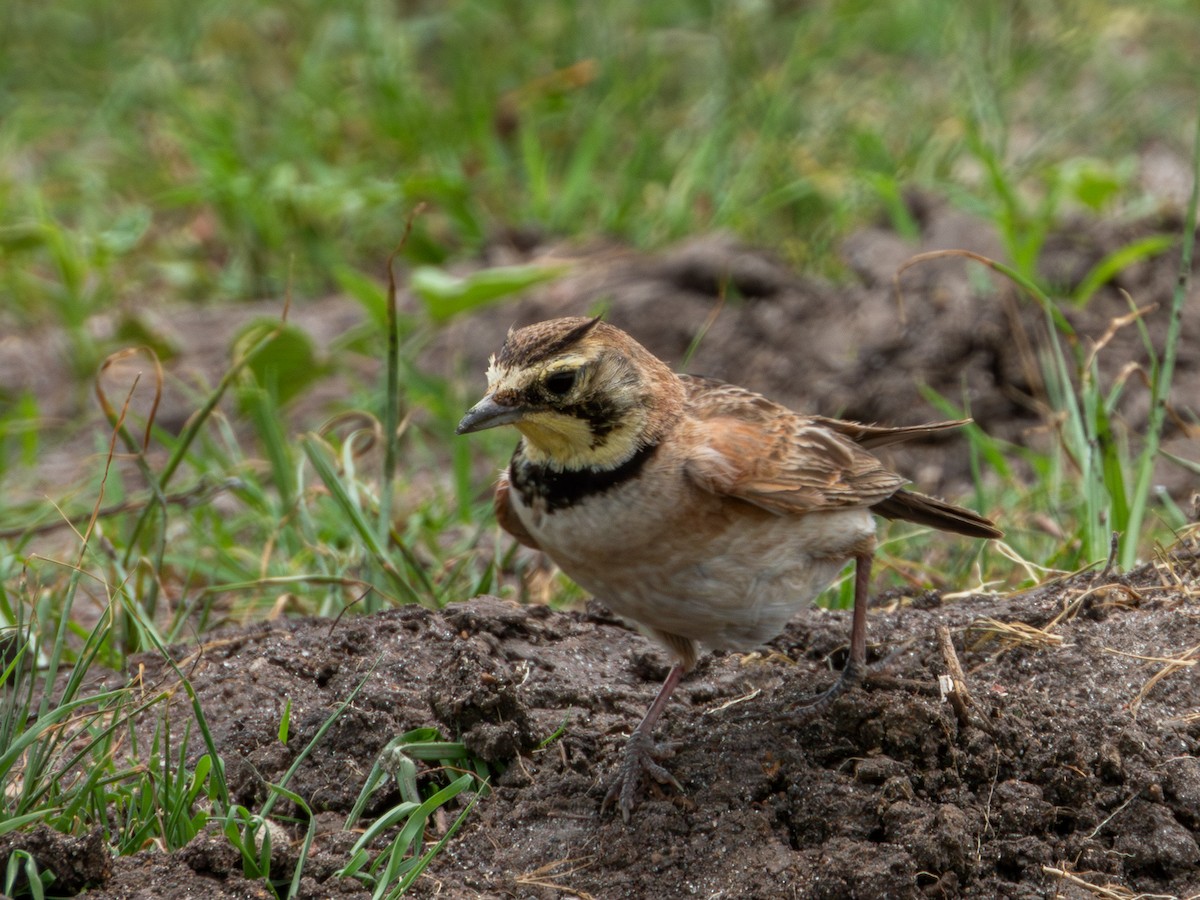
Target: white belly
725,574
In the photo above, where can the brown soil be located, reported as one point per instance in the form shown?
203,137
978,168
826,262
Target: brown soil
1075,752
1069,756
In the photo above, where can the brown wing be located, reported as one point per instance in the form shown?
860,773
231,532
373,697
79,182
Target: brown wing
747,447
507,516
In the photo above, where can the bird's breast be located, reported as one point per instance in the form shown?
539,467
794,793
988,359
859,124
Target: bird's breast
661,551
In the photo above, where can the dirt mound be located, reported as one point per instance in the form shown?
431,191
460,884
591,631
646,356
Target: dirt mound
1075,752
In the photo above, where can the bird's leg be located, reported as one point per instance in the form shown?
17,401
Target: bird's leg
639,759
856,665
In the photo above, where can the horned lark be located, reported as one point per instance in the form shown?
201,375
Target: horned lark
701,511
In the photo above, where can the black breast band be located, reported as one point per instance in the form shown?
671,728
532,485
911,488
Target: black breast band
560,488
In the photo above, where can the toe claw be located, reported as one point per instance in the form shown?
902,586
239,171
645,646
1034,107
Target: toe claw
638,762
851,676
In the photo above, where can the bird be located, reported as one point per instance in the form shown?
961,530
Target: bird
701,511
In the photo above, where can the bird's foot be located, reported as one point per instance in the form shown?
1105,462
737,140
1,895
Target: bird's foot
640,760
851,676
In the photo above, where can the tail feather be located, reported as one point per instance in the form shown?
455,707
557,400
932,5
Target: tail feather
925,510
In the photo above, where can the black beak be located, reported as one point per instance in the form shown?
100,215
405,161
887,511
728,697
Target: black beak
487,413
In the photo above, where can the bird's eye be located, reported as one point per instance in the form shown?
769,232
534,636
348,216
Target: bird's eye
560,383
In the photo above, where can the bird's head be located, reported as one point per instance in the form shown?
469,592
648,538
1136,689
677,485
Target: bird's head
582,392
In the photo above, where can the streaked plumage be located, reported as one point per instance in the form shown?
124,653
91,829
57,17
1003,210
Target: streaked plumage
703,512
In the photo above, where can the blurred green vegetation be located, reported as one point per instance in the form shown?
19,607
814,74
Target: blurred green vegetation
204,150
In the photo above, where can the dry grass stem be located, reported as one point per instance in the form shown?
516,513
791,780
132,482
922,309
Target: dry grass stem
734,702
959,694
1109,891
1101,591
540,877
1013,633
1172,664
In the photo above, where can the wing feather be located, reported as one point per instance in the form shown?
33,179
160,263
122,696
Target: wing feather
747,447
787,470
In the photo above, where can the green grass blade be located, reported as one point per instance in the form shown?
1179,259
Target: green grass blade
1161,385
415,872
319,736
314,449
1117,261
